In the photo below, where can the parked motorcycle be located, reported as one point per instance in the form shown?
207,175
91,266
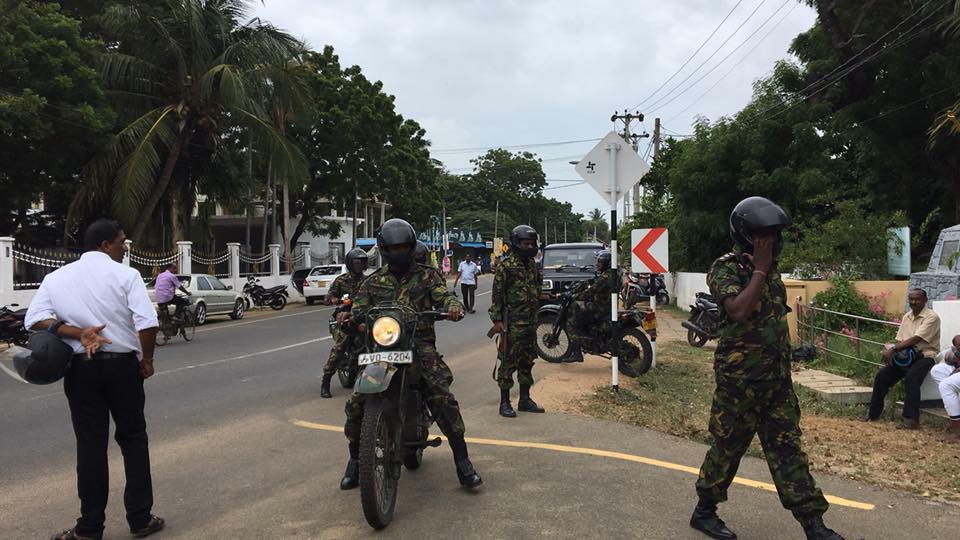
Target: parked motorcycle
12,330
396,421
703,322
554,342
347,370
257,295
639,286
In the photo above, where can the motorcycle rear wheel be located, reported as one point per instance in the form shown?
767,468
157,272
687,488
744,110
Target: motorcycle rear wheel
552,352
696,339
278,302
663,298
379,472
635,356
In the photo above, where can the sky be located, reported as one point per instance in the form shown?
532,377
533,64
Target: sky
497,73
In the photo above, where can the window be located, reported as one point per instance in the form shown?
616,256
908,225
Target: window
332,270
217,284
203,284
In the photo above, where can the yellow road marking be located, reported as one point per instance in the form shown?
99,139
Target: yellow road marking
614,455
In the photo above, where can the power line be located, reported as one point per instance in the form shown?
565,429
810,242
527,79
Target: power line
714,53
725,58
912,103
532,145
732,68
677,72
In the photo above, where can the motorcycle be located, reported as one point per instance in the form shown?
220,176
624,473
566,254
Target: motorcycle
703,322
347,370
396,420
257,295
635,356
12,330
639,286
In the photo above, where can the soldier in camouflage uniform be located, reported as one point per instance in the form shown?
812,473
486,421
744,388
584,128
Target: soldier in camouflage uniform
405,282
754,393
592,306
349,283
516,292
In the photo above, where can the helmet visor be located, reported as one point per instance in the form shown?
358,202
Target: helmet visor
12,359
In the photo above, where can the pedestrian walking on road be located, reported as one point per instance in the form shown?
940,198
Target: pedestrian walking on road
349,283
516,295
467,277
100,308
754,394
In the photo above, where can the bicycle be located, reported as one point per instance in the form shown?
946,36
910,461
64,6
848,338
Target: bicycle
171,327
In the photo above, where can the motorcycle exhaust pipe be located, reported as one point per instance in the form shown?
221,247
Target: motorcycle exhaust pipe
690,326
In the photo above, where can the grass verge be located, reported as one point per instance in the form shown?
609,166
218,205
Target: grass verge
675,398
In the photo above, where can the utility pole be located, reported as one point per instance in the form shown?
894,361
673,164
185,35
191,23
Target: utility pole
496,220
656,138
631,139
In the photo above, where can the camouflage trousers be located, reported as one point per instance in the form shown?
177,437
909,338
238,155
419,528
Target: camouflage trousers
435,380
521,351
770,410
337,353
583,321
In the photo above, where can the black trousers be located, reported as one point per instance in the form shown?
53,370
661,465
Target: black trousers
109,385
468,295
891,375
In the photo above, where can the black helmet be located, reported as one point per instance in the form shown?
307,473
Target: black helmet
603,260
754,214
356,260
396,232
420,254
521,233
44,360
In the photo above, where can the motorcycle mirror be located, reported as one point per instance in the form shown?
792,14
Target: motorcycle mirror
7,361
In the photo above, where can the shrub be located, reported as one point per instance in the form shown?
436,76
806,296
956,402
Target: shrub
843,297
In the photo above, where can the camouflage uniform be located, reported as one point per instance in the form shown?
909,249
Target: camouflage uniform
347,283
420,289
755,395
516,292
592,307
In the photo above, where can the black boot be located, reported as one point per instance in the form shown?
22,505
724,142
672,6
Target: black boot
816,530
526,404
351,477
506,409
465,472
325,387
576,355
706,520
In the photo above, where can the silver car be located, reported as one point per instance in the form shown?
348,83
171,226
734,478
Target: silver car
209,296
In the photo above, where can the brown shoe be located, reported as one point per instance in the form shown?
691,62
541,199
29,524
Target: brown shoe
909,423
952,431
154,525
71,534
867,418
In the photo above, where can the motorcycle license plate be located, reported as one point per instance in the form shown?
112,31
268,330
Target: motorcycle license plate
390,357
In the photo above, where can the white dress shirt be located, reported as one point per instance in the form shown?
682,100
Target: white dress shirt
94,291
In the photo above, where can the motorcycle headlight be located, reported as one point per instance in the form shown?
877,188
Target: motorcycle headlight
386,331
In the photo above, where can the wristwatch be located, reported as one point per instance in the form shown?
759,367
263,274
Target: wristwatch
55,327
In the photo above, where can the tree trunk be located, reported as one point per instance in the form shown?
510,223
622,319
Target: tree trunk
176,216
267,197
287,248
146,211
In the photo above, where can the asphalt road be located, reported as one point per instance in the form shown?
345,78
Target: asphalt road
242,446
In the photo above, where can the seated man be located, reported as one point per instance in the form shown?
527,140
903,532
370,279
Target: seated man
947,376
592,306
910,358
165,290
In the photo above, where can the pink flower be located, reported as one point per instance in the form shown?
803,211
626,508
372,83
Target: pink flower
852,334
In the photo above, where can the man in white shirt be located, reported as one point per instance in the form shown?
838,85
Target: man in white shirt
947,377
467,277
100,308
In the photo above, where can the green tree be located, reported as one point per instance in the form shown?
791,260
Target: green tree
179,72
53,114
596,226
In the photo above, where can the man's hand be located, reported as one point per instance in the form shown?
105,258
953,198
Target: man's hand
455,313
91,339
146,368
762,257
343,317
887,354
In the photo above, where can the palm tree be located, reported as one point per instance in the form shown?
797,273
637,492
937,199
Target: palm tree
597,226
179,71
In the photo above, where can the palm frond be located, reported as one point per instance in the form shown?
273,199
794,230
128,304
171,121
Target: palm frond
126,72
287,160
223,84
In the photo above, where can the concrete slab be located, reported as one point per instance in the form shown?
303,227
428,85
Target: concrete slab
833,387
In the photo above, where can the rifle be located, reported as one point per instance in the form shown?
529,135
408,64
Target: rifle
502,342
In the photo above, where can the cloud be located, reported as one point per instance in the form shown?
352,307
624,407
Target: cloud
498,72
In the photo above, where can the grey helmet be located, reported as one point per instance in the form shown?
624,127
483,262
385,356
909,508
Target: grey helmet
420,254
356,260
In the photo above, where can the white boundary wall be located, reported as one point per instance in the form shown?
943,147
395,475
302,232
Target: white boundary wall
684,286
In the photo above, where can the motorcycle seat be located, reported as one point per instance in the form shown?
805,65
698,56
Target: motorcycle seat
278,288
706,296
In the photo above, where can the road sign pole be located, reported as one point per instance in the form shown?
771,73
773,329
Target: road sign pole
614,282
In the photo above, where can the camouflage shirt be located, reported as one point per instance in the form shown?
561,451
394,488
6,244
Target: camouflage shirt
599,290
347,283
516,288
758,349
420,289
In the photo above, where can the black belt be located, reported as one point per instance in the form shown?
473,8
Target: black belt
102,355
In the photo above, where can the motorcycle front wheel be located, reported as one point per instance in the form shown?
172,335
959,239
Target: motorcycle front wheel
550,349
278,302
379,473
694,338
635,356
663,298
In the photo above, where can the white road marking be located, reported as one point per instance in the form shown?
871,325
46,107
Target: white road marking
245,356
